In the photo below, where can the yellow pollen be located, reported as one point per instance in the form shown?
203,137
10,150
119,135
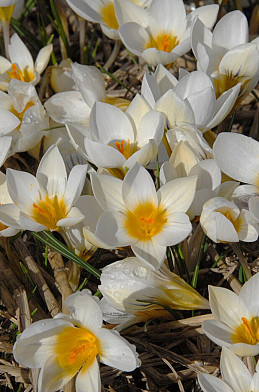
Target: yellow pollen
21,114
109,17
125,148
76,347
145,221
6,13
24,75
247,332
165,42
49,211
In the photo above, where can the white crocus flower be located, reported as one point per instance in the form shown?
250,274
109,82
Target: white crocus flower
45,202
225,55
23,116
236,323
235,376
167,34
68,346
222,221
139,216
138,290
193,101
74,107
6,231
117,140
21,65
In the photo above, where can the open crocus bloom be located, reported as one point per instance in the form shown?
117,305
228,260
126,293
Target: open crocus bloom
222,221
74,107
67,345
235,376
21,65
117,140
167,34
139,216
237,318
23,116
45,202
225,55
135,289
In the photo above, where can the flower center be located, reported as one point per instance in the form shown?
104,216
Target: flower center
247,332
125,148
76,347
109,17
49,211
165,42
21,114
145,221
24,76
6,13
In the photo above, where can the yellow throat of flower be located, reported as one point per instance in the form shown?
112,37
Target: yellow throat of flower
108,16
24,75
6,13
21,114
227,81
76,347
247,332
49,211
145,221
164,41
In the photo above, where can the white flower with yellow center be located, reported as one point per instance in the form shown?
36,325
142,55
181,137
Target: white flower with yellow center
138,216
225,55
69,346
222,221
167,34
23,116
45,202
235,376
138,290
21,65
118,140
236,324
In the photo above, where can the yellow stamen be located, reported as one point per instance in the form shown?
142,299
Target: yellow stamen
125,148
164,41
21,114
76,347
49,211
24,75
145,221
6,13
247,332
109,17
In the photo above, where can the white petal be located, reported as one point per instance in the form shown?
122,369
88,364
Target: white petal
116,351
9,215
247,231
176,229
207,14
151,127
177,195
23,189
51,173
27,223
111,230
245,350
217,332
231,30
85,308
108,123
89,378
137,109
75,184
238,156
52,377
90,83
5,142
73,217
248,295
8,122
224,306
150,253
143,156
127,11
211,383
43,58
134,37
103,155
164,78
87,12
68,107
138,188
234,371
20,55
108,192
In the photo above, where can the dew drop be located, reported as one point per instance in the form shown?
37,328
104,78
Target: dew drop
112,276
140,272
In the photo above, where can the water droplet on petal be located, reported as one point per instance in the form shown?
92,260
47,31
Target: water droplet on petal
140,272
112,276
